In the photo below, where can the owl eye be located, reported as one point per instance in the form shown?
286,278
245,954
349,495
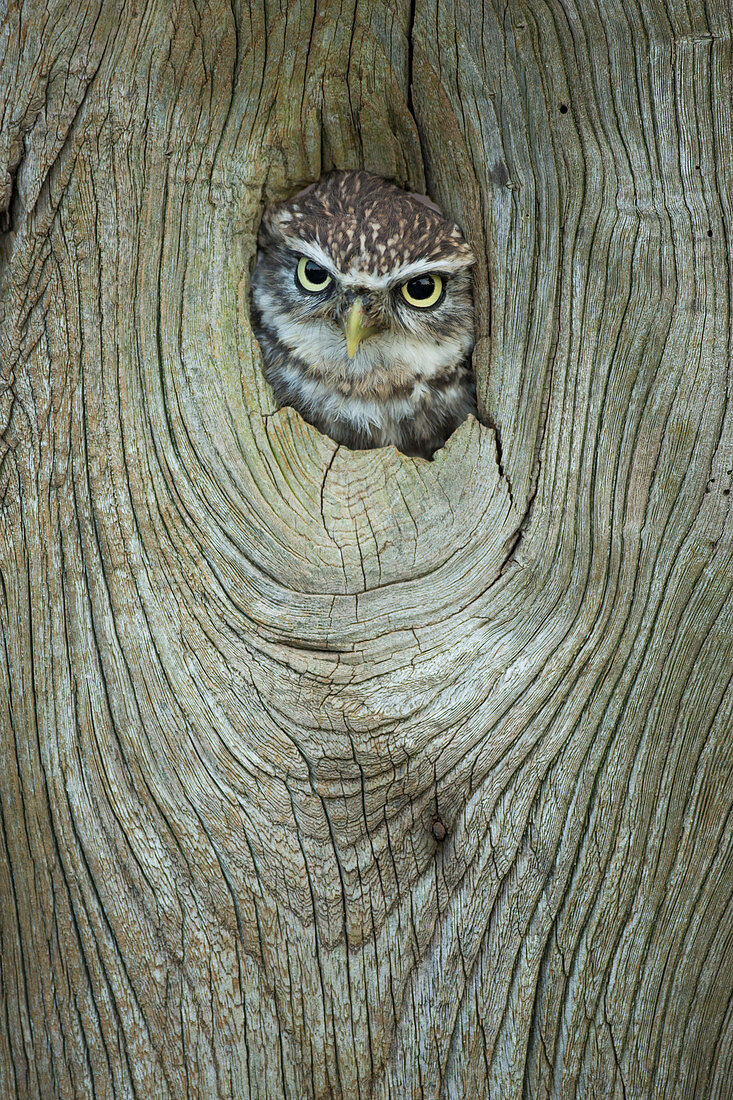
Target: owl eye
423,291
311,276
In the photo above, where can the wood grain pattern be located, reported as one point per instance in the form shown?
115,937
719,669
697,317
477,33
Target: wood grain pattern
244,670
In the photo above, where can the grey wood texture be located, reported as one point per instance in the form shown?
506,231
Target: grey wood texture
244,670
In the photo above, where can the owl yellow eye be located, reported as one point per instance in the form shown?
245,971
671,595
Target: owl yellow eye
423,291
311,276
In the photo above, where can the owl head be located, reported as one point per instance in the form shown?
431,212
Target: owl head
354,270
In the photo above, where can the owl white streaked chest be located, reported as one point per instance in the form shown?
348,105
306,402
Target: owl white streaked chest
363,308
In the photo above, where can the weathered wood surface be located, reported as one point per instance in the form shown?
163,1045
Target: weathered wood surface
245,669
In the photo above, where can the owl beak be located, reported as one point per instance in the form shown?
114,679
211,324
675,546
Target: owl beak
356,328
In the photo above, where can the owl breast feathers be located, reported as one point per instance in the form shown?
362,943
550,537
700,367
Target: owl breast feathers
363,308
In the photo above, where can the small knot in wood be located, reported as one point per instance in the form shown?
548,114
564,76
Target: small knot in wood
439,830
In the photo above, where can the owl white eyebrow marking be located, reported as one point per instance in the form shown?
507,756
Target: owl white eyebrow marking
313,252
355,277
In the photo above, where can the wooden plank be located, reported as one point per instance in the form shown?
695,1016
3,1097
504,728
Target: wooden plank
347,774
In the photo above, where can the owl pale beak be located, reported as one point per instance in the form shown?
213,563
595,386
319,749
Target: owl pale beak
357,328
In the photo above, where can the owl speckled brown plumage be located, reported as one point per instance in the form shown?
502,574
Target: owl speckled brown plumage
363,308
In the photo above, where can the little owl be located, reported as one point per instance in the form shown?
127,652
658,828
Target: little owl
362,307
